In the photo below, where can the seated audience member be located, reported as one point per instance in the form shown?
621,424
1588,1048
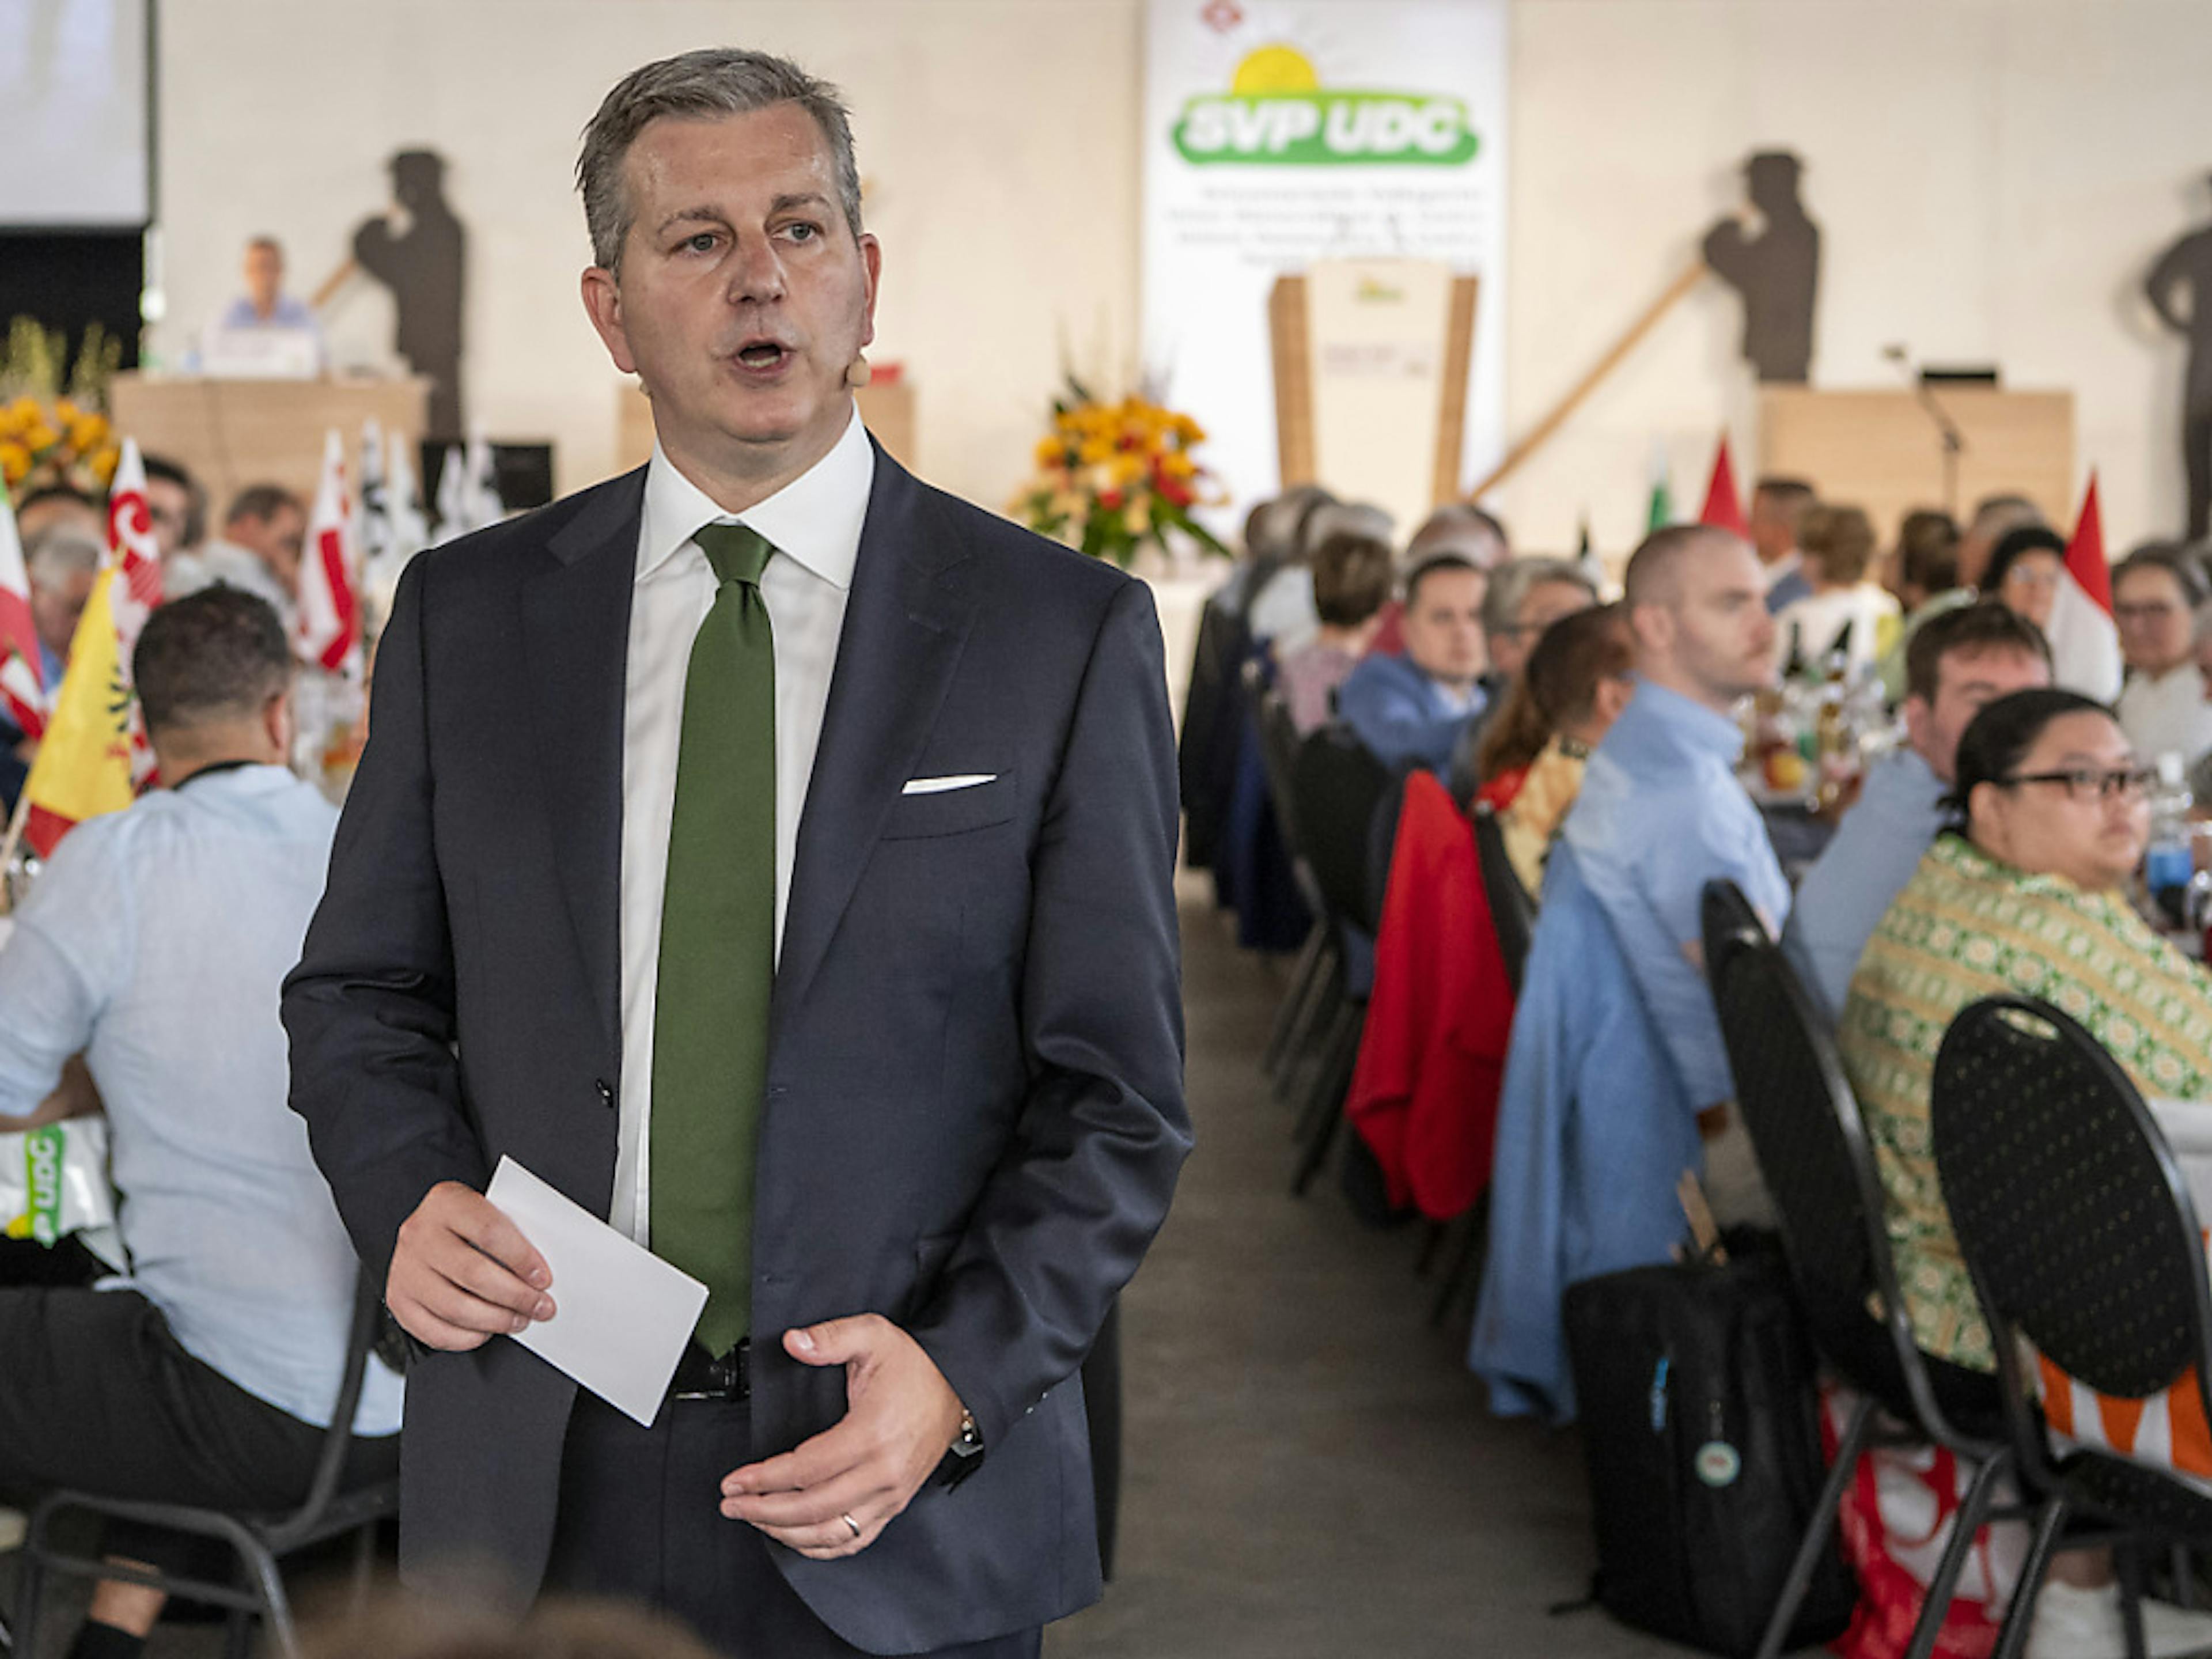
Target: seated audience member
2027,573
1282,616
1777,507
1615,1078
153,944
63,562
1838,543
1661,812
61,559
1573,687
1352,576
2157,590
1460,527
1410,710
258,552
2026,894
1527,596
58,504
1995,517
177,506
1924,576
1957,665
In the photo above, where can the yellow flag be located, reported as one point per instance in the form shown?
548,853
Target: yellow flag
84,765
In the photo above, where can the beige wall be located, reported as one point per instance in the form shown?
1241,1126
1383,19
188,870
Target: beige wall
995,140
1992,177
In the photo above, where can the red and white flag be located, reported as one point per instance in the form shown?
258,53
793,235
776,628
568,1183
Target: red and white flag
132,546
2085,550
330,613
23,689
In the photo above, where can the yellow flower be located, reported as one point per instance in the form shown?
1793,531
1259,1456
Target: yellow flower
26,410
14,461
66,411
1050,452
1126,469
103,462
40,437
1095,450
1177,464
87,433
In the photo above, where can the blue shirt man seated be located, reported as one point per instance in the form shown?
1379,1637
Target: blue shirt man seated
1409,710
1954,663
1617,1080
155,945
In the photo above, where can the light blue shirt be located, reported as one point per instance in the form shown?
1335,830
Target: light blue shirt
1660,815
288,312
1402,716
1875,851
156,942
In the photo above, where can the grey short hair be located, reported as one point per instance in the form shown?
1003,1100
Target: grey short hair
60,551
715,81
1510,584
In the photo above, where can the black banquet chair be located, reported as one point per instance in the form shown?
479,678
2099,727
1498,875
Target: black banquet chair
259,1541
1818,1167
2075,1223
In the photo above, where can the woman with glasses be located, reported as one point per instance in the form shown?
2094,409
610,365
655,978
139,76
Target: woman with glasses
2026,893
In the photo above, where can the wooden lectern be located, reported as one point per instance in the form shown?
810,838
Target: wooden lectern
229,434
1884,451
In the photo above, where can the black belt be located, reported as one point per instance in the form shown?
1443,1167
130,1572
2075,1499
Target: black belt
701,1376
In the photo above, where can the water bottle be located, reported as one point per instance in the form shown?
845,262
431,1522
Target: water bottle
2170,861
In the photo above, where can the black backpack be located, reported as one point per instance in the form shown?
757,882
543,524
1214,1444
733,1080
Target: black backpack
1695,1391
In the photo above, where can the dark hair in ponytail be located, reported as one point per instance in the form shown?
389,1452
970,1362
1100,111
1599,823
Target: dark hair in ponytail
1558,684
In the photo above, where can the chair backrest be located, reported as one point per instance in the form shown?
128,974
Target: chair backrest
1512,911
2068,1206
1278,755
1806,1127
1336,783
330,1463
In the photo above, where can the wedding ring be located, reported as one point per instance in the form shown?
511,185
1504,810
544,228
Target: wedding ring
851,1523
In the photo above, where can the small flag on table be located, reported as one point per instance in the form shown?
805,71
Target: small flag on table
1724,508
2085,551
94,752
330,614
23,689
1661,513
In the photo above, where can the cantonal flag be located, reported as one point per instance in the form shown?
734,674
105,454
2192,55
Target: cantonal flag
23,691
1724,508
84,765
330,616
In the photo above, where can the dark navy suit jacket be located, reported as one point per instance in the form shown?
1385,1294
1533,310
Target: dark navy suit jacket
974,1112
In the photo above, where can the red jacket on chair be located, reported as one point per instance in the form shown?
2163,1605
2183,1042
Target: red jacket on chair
1424,1092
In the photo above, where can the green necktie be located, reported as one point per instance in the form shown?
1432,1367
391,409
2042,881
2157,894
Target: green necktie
718,944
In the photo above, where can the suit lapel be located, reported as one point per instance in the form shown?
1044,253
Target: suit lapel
575,646
906,621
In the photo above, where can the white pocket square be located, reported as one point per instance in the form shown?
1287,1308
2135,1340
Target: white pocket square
939,786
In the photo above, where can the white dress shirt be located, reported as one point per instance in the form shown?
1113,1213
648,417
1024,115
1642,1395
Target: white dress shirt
814,523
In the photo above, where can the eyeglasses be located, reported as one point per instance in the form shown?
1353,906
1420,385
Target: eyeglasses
2086,785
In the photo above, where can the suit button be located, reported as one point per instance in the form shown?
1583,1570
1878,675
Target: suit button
606,1092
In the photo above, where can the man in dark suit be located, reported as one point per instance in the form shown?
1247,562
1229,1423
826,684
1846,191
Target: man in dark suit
774,855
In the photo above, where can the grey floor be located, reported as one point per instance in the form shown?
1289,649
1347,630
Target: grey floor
1309,1468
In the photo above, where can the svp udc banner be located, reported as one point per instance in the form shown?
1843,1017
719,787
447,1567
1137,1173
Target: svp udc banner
1283,132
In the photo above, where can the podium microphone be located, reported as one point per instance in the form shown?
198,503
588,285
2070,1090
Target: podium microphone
1955,441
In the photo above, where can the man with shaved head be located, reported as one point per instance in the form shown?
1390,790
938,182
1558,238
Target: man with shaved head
1616,1080
1661,813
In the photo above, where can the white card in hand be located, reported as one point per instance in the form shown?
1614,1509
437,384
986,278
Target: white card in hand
623,1313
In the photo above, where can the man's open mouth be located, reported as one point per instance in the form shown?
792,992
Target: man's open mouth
762,354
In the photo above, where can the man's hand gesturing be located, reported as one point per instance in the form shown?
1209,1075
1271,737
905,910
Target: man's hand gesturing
833,1495
463,1272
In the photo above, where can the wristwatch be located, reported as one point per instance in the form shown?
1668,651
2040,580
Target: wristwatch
965,1455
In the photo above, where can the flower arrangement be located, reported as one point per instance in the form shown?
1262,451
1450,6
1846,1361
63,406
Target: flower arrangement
1113,478
47,437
